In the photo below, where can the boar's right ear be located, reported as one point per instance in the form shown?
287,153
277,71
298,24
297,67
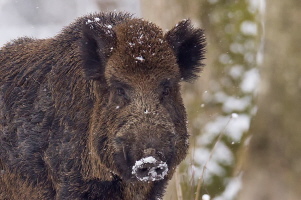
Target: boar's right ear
97,44
188,44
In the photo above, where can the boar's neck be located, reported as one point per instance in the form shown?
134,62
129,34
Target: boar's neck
144,190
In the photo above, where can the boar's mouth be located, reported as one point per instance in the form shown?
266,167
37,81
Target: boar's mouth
144,157
149,169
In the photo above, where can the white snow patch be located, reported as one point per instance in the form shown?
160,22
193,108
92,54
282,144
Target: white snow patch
140,58
117,107
205,197
232,189
96,19
131,44
212,129
234,129
238,126
201,155
250,80
255,5
234,115
236,71
89,21
231,104
214,168
149,159
248,28
109,26
223,154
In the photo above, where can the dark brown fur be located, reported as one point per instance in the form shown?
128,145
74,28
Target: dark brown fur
79,109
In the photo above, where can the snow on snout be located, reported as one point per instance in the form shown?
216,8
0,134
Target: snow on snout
157,170
140,58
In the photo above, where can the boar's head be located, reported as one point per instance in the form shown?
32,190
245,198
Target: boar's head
138,126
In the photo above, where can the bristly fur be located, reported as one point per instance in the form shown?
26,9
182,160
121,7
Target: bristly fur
98,41
79,109
189,45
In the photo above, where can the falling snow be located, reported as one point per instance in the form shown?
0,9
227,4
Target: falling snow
234,115
205,197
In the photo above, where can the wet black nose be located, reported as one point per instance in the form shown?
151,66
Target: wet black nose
150,169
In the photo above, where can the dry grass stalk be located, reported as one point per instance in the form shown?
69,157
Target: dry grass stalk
201,179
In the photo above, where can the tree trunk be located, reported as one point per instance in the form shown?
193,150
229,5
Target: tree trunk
273,164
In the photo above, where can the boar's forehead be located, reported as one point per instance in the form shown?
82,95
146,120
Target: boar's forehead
142,52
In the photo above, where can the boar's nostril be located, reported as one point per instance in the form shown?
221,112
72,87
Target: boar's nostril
142,172
143,169
159,170
149,169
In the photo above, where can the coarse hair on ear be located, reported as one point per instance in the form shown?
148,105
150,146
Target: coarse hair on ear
96,46
188,44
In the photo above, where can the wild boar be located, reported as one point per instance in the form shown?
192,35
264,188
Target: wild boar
96,111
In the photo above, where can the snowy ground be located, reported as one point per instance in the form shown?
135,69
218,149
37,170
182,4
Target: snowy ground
42,19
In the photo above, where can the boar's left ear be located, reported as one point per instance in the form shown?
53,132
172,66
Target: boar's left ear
96,46
188,44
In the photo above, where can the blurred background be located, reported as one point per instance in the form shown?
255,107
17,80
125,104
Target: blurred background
244,110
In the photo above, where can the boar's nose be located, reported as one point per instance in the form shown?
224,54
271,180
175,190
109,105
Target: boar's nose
149,169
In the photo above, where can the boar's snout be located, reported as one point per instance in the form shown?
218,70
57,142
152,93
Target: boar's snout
150,169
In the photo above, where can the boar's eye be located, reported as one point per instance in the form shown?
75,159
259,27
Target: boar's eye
166,91
119,96
165,88
120,91
119,88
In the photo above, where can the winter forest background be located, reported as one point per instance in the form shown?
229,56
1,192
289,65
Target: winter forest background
244,112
